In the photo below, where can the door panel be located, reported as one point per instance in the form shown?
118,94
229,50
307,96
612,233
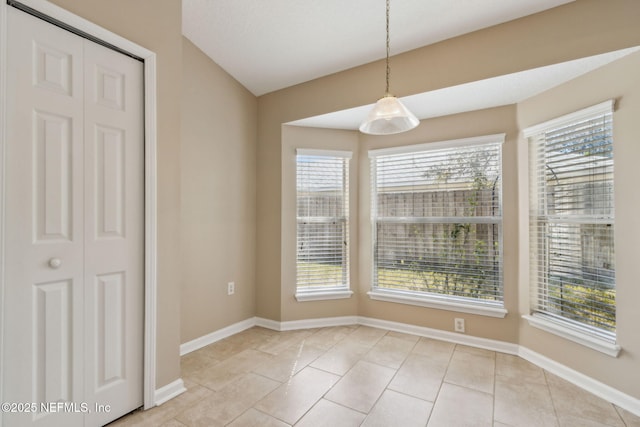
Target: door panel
114,230
53,348
110,332
109,87
109,191
53,192
74,227
53,69
43,360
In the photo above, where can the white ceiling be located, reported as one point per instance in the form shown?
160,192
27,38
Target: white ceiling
272,44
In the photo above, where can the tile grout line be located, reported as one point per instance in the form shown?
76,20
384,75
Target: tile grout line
298,344
495,377
553,401
332,386
441,383
397,370
620,415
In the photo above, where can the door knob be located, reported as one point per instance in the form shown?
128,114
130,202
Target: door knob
55,262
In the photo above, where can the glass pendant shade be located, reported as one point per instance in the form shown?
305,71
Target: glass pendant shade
389,116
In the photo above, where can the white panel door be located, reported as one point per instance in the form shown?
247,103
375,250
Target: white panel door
113,231
44,300
74,229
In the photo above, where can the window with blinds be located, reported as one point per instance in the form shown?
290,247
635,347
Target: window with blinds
437,217
322,180
572,254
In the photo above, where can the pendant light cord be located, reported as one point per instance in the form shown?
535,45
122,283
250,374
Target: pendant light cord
387,93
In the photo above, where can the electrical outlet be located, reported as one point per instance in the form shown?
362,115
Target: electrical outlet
458,324
231,288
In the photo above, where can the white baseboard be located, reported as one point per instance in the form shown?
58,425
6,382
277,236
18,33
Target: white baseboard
268,323
494,345
422,331
601,390
293,325
604,391
169,391
205,340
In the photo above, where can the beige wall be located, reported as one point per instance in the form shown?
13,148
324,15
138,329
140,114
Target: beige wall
557,35
218,211
220,224
618,81
578,29
156,25
478,123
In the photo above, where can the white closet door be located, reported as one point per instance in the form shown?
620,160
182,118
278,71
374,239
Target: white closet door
74,228
113,231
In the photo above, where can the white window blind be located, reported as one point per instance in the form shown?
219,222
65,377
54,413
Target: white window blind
437,218
322,179
572,255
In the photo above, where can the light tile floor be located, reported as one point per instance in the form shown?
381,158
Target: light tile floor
357,375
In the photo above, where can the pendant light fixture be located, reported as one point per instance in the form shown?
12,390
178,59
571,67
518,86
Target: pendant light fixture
388,116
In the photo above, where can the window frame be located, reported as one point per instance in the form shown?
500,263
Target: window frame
566,328
425,299
315,293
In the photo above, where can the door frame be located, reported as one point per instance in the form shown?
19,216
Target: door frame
150,175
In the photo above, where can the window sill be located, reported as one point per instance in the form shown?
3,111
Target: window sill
438,302
557,327
323,294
